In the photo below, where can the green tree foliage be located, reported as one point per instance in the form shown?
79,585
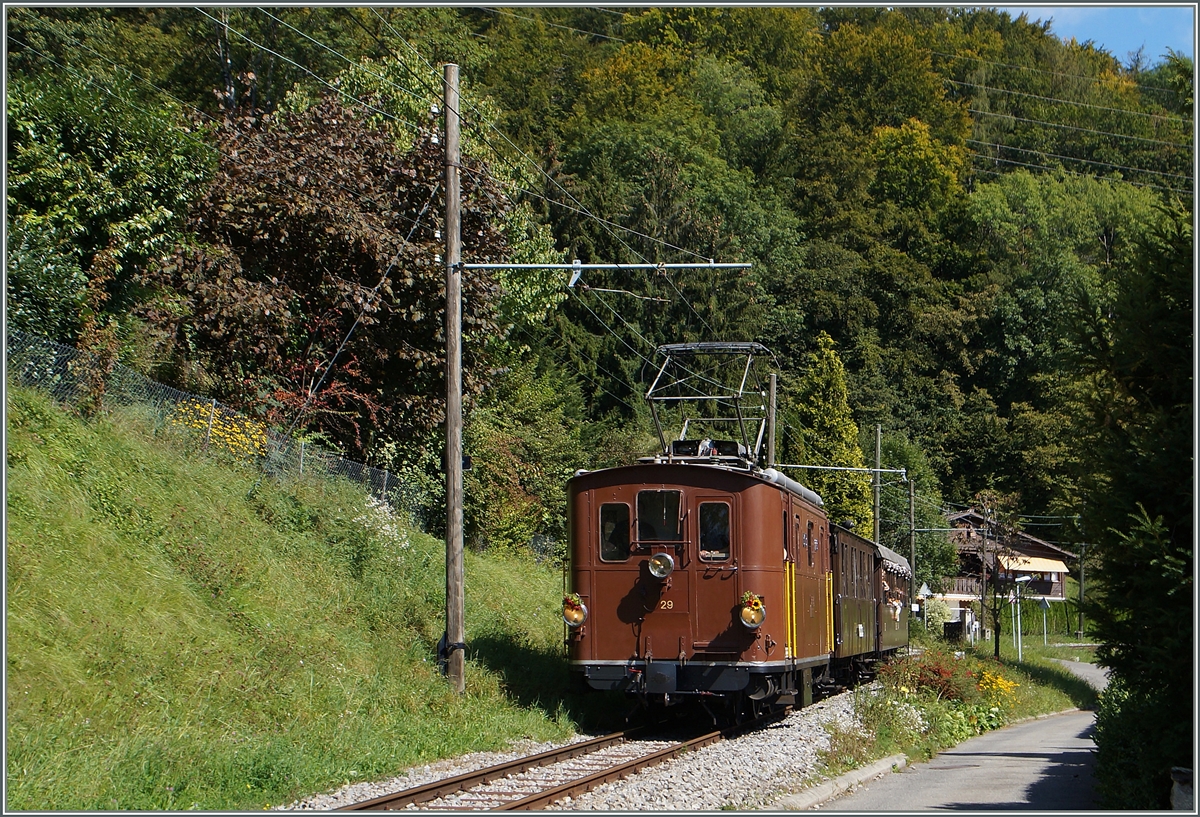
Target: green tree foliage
879,76
139,50
1173,80
98,185
776,44
934,188
818,429
1144,725
914,172
1077,108
385,88
1136,354
936,557
524,439
46,290
1046,241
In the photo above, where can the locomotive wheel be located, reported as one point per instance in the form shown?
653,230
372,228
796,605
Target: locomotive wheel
764,687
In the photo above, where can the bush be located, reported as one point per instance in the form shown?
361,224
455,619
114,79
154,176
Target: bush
935,672
937,613
1136,733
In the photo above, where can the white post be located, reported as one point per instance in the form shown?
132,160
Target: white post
212,412
1020,658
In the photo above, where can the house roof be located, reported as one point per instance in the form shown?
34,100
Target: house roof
972,522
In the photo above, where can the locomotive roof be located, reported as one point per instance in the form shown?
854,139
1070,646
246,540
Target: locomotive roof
709,469
714,348
696,467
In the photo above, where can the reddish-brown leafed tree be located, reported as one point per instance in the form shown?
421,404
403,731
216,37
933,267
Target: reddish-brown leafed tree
315,223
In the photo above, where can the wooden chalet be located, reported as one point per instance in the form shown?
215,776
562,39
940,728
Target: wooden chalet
1009,556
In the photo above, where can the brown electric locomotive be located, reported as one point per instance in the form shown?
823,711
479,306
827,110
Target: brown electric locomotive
696,572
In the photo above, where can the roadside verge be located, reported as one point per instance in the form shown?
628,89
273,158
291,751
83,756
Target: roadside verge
814,796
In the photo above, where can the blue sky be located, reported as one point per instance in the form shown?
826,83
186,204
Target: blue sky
1120,30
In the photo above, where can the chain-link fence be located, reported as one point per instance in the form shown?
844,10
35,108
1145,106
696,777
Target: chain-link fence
68,375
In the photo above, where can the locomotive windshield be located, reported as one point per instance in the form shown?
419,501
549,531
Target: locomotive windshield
658,516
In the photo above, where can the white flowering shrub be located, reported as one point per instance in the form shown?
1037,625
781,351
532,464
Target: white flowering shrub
378,519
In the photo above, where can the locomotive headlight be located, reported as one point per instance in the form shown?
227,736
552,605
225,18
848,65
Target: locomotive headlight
753,617
752,613
661,565
575,612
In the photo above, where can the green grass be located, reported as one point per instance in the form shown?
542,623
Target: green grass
175,641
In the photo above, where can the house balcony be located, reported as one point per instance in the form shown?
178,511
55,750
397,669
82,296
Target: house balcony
969,586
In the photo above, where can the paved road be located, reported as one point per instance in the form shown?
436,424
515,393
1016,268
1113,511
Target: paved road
1091,673
1041,765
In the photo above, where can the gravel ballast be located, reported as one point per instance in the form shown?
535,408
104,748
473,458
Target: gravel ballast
744,773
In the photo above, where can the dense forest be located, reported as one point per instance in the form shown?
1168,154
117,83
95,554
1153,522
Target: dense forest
961,229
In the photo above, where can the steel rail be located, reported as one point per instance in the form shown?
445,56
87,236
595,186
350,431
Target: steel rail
584,784
467,780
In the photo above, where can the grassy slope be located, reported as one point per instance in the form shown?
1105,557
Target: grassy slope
174,642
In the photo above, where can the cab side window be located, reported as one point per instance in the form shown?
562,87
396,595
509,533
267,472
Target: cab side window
714,531
614,532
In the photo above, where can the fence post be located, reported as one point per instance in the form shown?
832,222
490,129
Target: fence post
385,481
212,411
302,458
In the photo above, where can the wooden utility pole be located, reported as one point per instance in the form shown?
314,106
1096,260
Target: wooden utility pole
878,475
771,424
987,524
455,634
912,538
1082,556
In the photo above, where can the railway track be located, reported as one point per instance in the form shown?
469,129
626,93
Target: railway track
536,781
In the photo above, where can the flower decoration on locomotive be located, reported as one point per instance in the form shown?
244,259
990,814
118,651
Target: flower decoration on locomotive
753,613
574,610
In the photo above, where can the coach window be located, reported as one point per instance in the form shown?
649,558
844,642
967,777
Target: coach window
614,532
658,516
808,541
714,531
